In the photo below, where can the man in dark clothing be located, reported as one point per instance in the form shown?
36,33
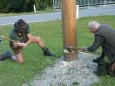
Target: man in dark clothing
104,37
22,37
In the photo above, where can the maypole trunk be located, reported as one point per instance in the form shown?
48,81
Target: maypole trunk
69,29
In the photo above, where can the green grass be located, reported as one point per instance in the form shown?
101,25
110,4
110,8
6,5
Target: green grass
14,74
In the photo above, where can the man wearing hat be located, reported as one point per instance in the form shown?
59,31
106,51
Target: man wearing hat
22,37
103,37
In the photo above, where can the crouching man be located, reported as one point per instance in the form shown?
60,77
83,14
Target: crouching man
22,37
103,37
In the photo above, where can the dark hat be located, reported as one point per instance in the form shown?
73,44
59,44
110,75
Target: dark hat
21,25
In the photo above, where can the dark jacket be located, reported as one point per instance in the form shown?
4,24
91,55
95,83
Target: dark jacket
104,37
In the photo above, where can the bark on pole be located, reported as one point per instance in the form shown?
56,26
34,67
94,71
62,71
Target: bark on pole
69,30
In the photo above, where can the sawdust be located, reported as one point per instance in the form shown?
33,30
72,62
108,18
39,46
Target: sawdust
75,73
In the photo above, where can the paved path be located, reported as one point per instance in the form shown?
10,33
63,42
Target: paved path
90,11
96,11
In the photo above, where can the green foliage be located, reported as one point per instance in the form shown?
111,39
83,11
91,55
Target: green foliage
3,5
43,4
29,5
49,3
16,6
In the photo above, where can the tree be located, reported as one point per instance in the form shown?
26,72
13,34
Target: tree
43,4
8,6
3,5
29,5
16,5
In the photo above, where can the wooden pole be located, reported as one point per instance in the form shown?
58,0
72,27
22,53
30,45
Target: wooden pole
69,29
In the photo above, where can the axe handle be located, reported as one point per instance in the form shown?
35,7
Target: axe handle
8,38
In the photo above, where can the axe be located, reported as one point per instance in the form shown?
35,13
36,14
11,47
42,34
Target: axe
71,49
5,37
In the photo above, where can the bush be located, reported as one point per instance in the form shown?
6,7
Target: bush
29,5
3,5
43,4
8,6
16,5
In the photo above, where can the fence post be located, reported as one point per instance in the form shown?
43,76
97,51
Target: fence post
34,8
69,29
77,11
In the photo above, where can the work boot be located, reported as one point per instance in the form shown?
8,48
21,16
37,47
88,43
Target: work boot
5,55
102,68
98,60
48,53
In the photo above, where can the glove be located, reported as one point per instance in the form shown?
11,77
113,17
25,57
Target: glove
84,48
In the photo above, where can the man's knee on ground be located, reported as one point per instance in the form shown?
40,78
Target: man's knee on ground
19,58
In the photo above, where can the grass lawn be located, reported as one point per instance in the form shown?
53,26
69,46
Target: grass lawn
14,74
